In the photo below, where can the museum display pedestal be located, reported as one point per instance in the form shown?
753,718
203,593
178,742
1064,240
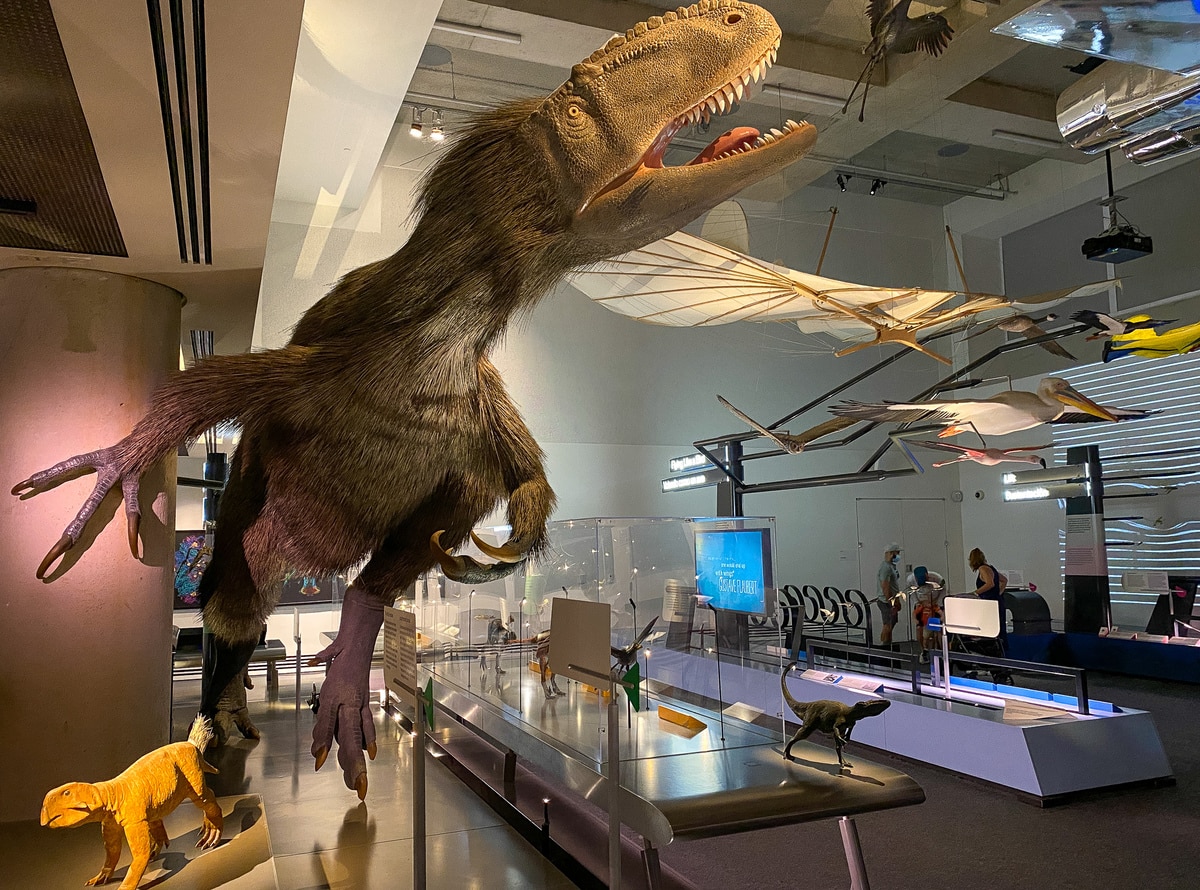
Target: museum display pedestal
41,857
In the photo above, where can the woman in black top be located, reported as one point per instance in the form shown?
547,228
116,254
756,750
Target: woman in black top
989,585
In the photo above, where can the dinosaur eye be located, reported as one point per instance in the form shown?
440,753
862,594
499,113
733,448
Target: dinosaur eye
573,111
732,18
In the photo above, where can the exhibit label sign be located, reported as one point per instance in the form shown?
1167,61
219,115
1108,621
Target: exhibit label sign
400,653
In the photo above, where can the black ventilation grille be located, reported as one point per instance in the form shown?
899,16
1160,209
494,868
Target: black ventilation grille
48,164
180,66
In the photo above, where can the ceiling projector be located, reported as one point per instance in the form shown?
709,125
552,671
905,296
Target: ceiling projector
1118,244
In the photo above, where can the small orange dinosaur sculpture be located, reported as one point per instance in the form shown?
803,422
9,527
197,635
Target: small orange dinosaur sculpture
136,801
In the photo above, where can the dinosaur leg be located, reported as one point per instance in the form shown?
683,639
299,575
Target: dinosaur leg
801,734
137,834
201,795
839,742
159,840
112,851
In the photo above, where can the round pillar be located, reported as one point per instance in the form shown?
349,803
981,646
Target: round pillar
85,656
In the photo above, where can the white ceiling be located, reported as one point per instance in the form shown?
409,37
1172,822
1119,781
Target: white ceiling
352,60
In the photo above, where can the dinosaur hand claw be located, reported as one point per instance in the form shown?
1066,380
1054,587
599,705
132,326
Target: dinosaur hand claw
132,525
467,570
320,755
507,553
64,544
360,786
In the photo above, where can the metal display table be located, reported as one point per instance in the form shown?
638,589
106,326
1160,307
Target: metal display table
673,783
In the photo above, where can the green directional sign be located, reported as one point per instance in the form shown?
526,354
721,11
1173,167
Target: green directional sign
427,695
632,681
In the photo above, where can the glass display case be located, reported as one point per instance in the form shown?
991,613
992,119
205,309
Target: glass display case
694,591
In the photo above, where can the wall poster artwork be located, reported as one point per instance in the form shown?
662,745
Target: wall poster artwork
191,559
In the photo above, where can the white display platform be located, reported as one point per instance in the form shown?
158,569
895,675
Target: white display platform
1032,752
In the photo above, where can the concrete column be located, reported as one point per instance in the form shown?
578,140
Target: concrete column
85,657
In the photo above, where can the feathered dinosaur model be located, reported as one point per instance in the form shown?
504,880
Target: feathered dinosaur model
134,804
382,425
827,716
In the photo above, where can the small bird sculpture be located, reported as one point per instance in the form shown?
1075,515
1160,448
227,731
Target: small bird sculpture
1027,326
1109,326
1055,401
792,443
893,32
988,457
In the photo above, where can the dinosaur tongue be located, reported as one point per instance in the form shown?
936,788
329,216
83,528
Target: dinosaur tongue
738,137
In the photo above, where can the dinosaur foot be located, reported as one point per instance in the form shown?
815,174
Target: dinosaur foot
102,878
467,570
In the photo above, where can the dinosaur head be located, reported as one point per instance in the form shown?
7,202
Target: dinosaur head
870,707
71,804
603,133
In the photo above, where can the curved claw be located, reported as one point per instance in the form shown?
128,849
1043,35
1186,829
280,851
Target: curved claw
64,544
133,523
372,750
503,554
466,570
360,786
320,756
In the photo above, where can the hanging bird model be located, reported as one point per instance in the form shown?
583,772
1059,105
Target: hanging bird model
893,32
1027,326
1109,326
1055,401
1149,343
988,457
792,443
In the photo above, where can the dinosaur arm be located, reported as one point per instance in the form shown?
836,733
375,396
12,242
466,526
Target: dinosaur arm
217,390
112,851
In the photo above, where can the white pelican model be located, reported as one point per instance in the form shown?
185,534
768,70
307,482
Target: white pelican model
1008,412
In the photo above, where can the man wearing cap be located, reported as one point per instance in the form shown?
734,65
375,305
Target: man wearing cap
888,590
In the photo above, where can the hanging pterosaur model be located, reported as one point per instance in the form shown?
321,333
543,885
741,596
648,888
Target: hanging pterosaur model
988,457
1109,326
1055,401
792,443
383,420
686,281
1150,343
1027,326
894,33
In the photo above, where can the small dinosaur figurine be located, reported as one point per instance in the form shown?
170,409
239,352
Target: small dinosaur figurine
831,717
136,801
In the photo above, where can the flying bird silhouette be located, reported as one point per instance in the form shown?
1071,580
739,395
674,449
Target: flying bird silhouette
893,32
1027,326
988,457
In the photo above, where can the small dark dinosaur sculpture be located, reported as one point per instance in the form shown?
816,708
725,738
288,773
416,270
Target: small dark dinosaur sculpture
830,717
382,425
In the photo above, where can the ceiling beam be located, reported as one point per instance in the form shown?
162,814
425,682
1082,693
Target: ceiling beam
984,93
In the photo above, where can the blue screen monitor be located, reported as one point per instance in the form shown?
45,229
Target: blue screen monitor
733,569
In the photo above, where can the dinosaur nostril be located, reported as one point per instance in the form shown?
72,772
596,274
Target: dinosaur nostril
733,18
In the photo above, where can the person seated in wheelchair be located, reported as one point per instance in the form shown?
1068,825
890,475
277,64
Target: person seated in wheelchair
927,589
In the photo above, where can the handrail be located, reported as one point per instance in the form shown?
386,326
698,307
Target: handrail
914,663
1032,667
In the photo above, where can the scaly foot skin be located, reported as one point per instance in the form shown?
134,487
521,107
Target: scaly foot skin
345,712
105,463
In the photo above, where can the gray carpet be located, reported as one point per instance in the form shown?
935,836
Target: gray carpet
967,835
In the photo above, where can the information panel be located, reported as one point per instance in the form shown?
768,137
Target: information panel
400,653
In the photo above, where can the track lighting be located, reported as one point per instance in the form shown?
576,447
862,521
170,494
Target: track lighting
436,133
416,129
841,181
877,185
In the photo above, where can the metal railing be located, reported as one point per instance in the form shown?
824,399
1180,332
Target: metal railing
1032,667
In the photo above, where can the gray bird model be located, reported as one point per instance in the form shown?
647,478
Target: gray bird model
894,32
1109,326
1029,327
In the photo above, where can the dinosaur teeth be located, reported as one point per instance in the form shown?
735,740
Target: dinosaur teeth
730,95
738,89
719,98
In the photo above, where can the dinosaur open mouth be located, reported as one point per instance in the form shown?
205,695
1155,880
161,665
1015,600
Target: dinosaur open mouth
739,140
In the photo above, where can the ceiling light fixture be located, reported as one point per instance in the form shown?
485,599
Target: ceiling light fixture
437,133
996,191
805,96
416,129
477,31
1026,139
841,181
877,184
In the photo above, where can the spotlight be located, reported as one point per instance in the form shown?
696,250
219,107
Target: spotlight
416,129
841,181
436,133
877,185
